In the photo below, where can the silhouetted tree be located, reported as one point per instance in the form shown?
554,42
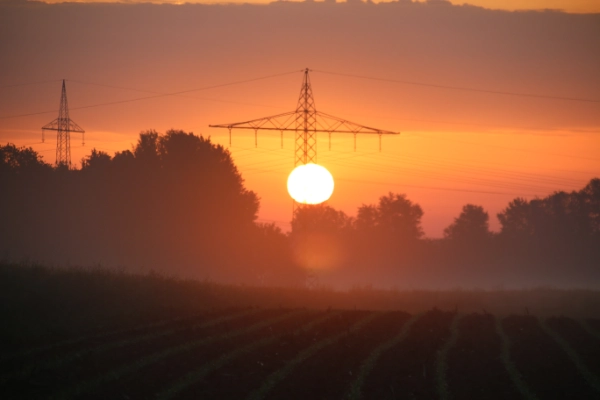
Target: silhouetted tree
471,226
555,236
394,217
177,203
466,248
399,217
515,219
386,238
96,160
320,218
146,150
366,218
271,260
15,159
123,160
589,202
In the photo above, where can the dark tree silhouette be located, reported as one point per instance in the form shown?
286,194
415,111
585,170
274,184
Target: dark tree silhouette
96,160
271,260
399,217
15,159
515,219
176,203
589,202
320,218
471,226
395,219
467,246
554,236
366,218
146,150
123,160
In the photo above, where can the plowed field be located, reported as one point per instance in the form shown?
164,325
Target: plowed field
313,354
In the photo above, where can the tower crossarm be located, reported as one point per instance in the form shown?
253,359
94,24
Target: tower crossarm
286,122
330,124
306,122
63,125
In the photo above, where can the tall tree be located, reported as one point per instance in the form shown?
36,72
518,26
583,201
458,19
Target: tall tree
515,219
471,226
320,218
21,159
399,217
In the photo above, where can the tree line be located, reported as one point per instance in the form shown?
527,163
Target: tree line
176,203
550,241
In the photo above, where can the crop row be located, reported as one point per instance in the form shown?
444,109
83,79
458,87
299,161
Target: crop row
298,354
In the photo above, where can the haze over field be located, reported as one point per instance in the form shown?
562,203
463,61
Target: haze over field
457,146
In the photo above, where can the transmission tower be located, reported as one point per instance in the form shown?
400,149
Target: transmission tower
306,122
63,125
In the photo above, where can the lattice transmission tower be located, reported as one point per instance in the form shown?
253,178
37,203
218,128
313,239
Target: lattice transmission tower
63,125
306,122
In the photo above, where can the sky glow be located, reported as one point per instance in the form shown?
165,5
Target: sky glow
491,105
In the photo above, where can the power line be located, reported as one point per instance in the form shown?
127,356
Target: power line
439,165
256,171
436,175
29,84
510,148
168,94
435,187
477,169
461,88
154,96
505,180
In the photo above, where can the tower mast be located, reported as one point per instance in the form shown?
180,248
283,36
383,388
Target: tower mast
305,122
63,125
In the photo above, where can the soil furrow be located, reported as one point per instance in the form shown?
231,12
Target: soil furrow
545,367
337,365
407,370
582,349
355,391
250,350
276,384
61,360
475,369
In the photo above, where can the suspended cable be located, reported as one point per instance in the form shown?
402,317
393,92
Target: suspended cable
466,89
167,94
506,178
437,188
29,84
154,96
509,148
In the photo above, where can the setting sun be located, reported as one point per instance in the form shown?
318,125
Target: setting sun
310,184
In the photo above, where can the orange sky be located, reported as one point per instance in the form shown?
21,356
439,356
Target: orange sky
572,6
457,146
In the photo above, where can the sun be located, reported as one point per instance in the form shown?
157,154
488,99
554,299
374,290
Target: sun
310,184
